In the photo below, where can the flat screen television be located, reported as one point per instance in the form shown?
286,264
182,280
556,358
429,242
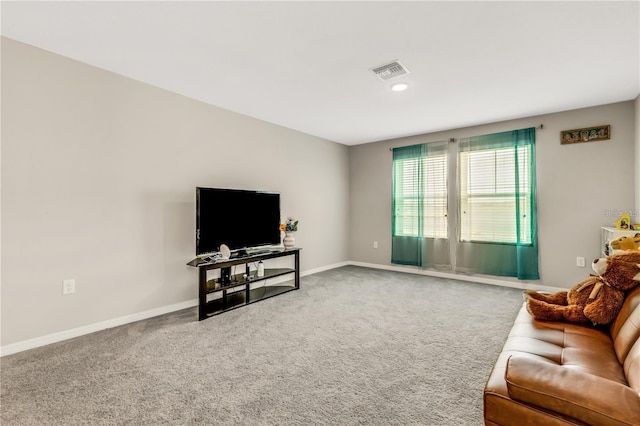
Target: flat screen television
240,219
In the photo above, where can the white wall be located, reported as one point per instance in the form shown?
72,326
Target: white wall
98,184
577,184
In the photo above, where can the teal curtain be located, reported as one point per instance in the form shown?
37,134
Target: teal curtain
419,219
514,255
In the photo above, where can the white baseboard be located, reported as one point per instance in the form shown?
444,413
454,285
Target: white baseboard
324,268
92,328
523,285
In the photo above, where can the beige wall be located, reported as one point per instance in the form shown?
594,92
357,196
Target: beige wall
98,184
98,174
577,184
637,156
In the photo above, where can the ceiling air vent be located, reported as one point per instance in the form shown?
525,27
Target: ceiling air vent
390,70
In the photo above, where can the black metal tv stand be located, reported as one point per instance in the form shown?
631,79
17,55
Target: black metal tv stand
234,290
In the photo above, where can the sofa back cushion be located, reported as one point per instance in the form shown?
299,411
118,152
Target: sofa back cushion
632,367
625,332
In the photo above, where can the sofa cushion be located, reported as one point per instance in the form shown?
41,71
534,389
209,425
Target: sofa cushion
574,346
625,330
632,368
585,397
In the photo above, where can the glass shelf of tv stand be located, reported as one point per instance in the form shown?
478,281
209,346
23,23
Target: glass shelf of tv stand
240,292
238,280
217,295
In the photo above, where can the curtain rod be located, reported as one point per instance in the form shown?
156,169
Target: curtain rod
539,127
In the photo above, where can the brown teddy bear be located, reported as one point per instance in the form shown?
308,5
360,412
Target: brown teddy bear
597,299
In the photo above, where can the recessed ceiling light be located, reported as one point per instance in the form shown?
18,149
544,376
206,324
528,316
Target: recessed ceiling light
399,87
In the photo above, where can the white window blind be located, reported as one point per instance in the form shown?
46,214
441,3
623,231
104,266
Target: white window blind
420,196
494,192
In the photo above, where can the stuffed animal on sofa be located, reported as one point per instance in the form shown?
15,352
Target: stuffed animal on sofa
626,243
597,299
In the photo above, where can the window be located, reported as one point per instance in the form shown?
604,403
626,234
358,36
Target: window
419,228
497,205
493,213
420,193
494,193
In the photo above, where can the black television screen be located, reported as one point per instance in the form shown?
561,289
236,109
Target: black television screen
238,218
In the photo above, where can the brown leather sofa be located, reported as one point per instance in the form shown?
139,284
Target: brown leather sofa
556,373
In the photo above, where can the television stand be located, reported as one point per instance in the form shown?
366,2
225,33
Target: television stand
231,291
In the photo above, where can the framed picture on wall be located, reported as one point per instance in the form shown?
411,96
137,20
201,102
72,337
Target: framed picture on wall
588,134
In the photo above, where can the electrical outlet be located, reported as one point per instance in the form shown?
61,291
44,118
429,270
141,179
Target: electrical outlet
375,244
580,261
68,286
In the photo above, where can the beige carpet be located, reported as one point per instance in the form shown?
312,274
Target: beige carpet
353,346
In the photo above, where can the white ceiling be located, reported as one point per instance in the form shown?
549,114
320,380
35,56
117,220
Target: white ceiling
305,65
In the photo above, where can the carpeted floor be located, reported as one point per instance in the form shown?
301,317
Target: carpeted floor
353,346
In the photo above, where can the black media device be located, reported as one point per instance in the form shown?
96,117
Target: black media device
225,275
241,219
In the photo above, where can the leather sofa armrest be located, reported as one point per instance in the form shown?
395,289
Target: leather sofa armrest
583,396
